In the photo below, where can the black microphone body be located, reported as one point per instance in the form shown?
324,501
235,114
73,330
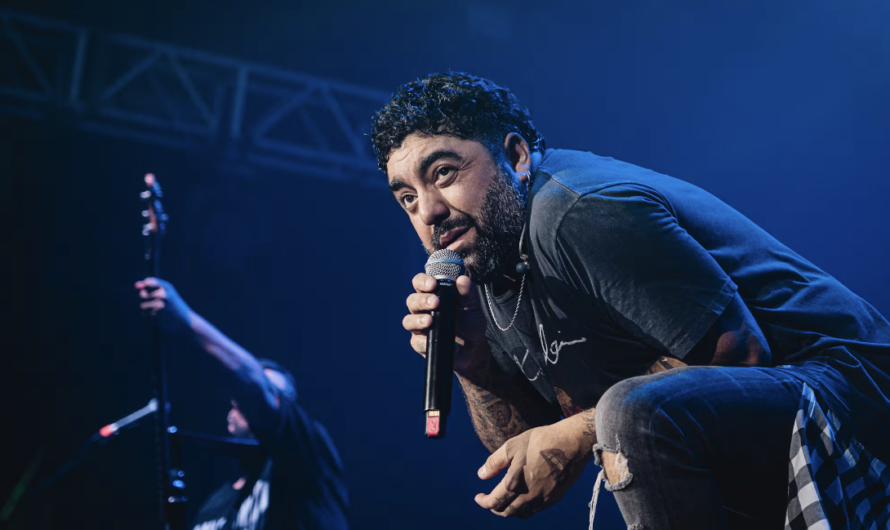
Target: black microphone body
445,266
440,359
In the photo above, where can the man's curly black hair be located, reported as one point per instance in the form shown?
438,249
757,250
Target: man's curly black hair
453,104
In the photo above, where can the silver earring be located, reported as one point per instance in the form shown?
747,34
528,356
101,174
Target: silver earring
528,180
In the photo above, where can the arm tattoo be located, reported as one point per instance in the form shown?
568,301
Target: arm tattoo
502,501
499,407
589,416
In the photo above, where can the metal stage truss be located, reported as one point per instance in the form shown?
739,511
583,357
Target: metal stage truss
258,116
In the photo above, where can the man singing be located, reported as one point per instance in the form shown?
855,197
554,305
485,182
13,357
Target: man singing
624,272
300,482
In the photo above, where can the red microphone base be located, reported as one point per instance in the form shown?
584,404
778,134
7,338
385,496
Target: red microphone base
435,424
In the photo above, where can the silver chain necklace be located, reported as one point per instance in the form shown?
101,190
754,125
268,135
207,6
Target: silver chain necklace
523,256
518,300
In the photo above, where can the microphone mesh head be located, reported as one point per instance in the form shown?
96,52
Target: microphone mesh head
445,264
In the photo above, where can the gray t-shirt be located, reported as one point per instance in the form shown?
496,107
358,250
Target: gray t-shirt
628,265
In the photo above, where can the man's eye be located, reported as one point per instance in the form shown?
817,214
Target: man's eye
407,200
444,171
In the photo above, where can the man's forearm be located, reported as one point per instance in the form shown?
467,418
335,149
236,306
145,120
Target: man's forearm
582,426
499,407
239,361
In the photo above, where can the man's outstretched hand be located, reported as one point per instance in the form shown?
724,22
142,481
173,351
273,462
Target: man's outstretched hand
158,298
541,463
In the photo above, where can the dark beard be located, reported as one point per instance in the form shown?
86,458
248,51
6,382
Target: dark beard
498,230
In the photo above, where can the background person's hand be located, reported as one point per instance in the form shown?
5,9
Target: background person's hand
158,298
470,325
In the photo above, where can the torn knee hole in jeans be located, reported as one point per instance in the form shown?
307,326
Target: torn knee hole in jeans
615,466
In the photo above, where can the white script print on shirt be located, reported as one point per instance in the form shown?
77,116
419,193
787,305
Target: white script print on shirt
522,367
551,352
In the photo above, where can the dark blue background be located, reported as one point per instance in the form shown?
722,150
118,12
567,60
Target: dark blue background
778,108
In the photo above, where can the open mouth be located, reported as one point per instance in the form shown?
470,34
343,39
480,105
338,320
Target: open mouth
454,238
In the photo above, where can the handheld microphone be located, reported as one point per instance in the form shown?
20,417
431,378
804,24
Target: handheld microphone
445,266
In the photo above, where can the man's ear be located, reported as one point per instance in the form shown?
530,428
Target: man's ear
518,156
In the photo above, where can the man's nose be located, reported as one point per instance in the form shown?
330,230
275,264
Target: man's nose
432,209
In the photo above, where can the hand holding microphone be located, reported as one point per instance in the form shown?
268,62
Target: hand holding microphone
428,316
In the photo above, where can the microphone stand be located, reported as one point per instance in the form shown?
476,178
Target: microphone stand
171,487
168,440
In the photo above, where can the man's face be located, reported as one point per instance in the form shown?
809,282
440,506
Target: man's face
237,423
458,198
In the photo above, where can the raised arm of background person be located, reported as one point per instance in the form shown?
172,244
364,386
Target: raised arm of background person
256,395
501,406
294,440
300,448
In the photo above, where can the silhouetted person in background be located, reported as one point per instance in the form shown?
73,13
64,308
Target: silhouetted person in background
300,483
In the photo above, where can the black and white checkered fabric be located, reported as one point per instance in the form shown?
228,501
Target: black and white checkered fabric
834,482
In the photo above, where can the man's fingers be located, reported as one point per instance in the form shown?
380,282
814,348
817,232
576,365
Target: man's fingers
156,293
465,286
418,343
417,322
524,507
155,305
498,500
497,462
420,302
514,480
526,512
424,283
146,283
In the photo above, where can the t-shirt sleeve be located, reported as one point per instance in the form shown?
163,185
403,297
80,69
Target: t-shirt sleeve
624,247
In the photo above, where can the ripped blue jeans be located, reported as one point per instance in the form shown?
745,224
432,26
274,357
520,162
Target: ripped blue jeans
700,447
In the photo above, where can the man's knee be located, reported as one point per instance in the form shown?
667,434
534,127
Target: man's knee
621,416
626,415
624,410
615,467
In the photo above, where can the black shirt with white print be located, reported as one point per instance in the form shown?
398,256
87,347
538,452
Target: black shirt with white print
300,486
628,265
